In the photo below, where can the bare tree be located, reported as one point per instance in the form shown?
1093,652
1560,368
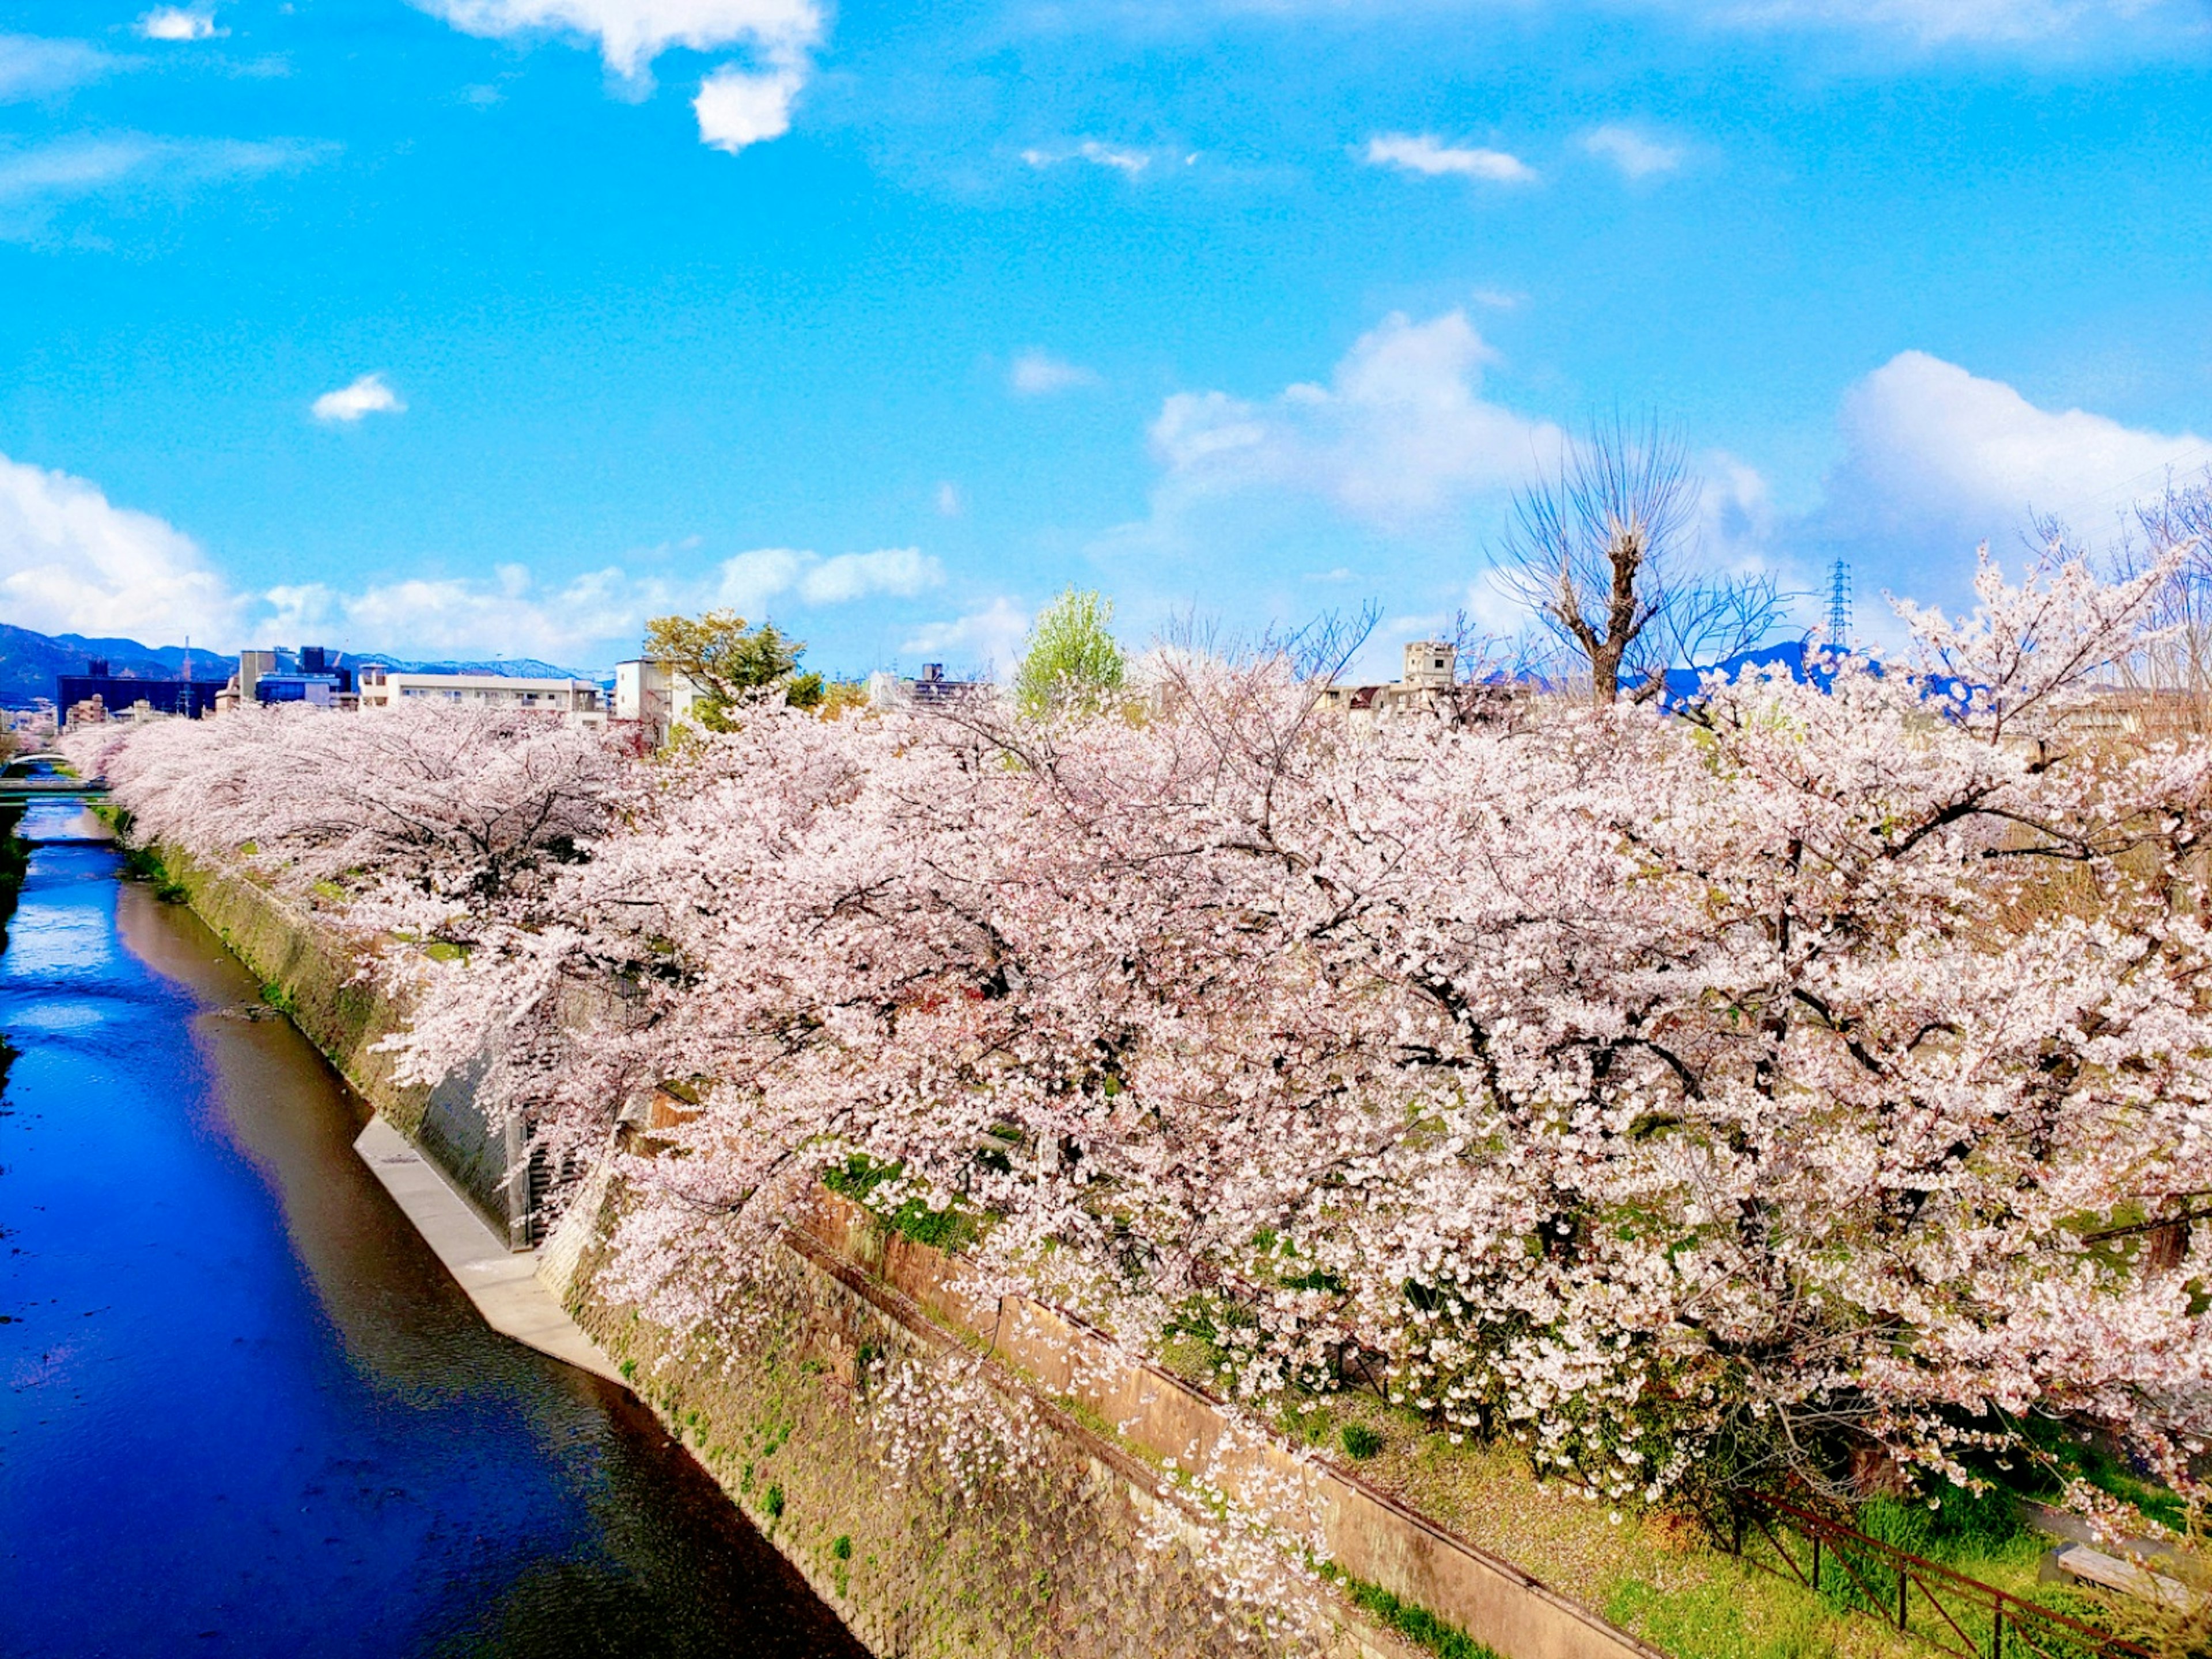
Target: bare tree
1595,550
1705,621
2168,676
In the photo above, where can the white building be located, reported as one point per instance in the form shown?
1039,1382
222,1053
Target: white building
654,694
579,700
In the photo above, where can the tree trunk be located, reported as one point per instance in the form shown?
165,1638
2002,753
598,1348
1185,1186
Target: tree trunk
1605,675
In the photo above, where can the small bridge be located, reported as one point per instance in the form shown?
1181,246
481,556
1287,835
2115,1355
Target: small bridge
18,783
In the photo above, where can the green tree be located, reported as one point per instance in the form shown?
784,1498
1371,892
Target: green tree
1073,659
730,663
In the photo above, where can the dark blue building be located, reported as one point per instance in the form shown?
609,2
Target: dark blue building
118,692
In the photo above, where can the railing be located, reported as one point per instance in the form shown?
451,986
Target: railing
1956,1615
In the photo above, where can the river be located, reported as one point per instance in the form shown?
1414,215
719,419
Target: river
243,1410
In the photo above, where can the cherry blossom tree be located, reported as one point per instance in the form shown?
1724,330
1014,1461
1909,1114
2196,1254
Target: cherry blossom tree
1701,1099
448,807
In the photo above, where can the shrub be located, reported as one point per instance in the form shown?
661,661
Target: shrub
1360,1441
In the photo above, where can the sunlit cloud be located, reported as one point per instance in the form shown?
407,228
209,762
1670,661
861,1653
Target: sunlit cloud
178,23
368,395
1422,154
1637,154
1037,373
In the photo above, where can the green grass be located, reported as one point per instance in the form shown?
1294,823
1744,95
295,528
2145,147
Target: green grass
942,1230
1706,1621
14,864
1360,1441
144,864
1417,1624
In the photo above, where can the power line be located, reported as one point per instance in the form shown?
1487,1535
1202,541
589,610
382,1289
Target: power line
2167,468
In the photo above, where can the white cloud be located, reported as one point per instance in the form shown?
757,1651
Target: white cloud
1036,374
35,182
1498,299
1422,154
738,108
747,582
1940,23
72,561
513,615
179,23
1128,162
458,617
901,572
1637,154
631,34
1736,516
1934,456
1401,430
368,395
34,68
950,502
2141,24
988,640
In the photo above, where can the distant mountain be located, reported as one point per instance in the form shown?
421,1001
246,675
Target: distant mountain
29,663
521,668
168,659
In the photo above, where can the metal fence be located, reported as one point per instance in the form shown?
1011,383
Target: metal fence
1951,1612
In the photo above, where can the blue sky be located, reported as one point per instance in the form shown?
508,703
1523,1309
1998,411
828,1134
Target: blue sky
498,324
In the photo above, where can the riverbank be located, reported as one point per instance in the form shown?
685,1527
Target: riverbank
1053,1563
785,1407
243,1409
15,862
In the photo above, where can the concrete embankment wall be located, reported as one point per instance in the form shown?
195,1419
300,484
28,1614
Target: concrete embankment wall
782,1402
1159,1416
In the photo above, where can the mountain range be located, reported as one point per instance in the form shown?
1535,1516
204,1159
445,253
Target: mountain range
29,663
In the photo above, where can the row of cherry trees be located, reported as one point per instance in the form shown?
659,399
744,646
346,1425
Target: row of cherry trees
1693,1098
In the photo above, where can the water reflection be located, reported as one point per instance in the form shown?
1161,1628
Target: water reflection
245,1411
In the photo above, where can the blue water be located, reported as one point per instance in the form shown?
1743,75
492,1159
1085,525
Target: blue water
243,1410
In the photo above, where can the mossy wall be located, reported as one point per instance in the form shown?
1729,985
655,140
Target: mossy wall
1045,1561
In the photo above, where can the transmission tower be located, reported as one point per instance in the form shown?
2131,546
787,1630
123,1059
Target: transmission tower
1839,607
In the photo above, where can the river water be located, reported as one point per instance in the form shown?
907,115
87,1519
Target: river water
243,1410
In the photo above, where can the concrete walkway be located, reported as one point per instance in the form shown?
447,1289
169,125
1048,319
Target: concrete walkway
502,1283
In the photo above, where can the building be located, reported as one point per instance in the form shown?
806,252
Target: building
932,689
578,700
1426,680
653,696
320,690
313,677
192,698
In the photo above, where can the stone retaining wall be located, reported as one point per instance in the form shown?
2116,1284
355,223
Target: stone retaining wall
1369,1534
